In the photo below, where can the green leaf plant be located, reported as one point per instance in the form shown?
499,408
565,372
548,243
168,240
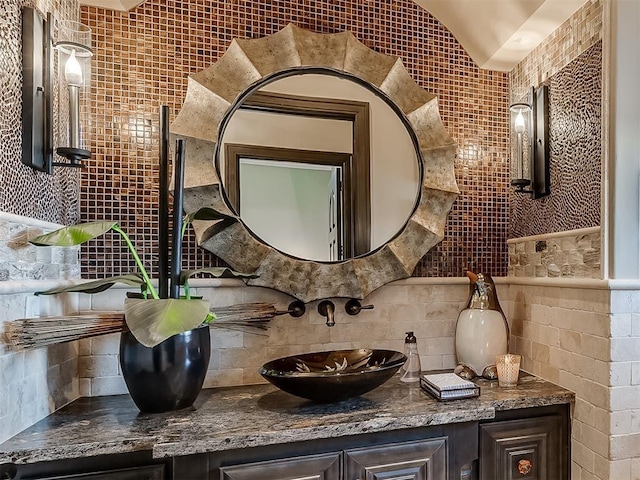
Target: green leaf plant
151,322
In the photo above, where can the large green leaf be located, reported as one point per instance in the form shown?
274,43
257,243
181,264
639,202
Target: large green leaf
97,286
154,320
218,272
73,234
206,213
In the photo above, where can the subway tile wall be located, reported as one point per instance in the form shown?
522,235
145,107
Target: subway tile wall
34,382
143,58
428,309
624,382
564,335
588,341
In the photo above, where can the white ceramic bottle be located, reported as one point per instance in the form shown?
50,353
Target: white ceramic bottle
482,331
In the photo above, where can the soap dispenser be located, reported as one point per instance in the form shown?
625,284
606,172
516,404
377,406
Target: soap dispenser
411,368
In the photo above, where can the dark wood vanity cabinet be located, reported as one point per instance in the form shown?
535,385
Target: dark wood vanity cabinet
423,460
416,460
126,466
527,444
424,453
311,467
525,449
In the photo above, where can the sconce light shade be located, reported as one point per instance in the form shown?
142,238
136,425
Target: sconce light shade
74,73
529,127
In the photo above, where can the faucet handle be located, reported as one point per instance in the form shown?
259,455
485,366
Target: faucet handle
353,306
296,308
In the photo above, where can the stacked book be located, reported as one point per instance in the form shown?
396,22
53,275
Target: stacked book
448,386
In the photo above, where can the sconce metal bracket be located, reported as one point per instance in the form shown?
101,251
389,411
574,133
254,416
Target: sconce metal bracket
540,178
37,90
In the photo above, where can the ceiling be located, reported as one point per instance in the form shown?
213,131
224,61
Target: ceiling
497,34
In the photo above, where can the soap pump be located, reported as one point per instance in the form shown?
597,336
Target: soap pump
411,368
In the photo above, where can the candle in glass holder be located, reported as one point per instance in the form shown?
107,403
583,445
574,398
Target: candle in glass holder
508,367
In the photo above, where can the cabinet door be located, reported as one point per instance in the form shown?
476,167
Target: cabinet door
420,460
314,467
528,449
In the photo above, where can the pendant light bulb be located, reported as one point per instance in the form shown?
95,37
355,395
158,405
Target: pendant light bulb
72,71
519,122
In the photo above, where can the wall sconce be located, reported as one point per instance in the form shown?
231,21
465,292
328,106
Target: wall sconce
74,74
529,128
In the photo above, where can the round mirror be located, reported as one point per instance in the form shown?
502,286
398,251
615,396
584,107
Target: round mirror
319,165
398,203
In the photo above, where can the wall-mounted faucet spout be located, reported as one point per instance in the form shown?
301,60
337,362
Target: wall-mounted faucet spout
326,308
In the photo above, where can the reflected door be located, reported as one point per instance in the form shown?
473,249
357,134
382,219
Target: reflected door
336,243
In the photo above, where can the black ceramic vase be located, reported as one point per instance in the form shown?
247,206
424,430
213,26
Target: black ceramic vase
168,376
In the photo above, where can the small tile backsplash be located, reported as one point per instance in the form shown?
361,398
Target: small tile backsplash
143,58
575,153
569,62
579,33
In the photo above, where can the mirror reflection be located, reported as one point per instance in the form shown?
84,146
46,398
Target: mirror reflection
319,167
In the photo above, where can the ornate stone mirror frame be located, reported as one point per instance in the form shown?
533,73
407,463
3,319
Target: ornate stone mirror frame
215,91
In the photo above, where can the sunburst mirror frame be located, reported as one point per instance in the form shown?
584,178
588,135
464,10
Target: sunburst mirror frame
213,94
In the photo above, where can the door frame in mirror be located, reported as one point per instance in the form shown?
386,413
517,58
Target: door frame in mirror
355,210
216,91
358,231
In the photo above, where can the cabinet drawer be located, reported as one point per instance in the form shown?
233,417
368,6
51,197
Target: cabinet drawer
528,449
420,460
313,467
152,472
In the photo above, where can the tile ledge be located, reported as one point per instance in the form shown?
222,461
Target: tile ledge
546,236
28,221
590,283
30,286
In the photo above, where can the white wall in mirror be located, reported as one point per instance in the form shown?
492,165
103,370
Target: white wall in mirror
395,170
252,127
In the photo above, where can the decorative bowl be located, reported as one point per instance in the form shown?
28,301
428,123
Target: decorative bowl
334,375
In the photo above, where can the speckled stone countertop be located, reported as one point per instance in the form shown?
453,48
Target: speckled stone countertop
238,417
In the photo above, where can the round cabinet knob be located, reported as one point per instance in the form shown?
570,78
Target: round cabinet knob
524,467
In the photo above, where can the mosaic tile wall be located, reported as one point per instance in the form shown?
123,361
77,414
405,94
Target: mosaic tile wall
570,62
143,58
573,254
25,191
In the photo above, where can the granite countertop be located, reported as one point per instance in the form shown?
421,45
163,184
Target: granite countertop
240,417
